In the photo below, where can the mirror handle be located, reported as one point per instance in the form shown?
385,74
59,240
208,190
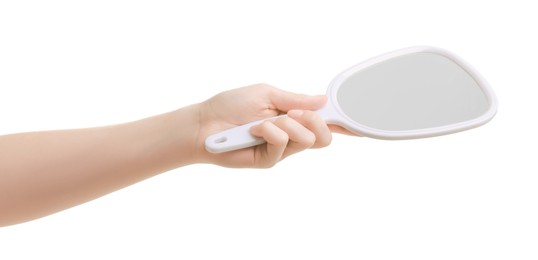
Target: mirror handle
235,138
239,137
329,114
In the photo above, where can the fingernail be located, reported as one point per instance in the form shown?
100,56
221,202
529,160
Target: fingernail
295,113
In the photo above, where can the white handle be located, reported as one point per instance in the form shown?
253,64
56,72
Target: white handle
239,137
235,138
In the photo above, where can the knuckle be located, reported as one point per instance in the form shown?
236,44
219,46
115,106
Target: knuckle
282,120
309,140
310,116
266,124
282,139
267,165
323,142
265,86
276,137
266,127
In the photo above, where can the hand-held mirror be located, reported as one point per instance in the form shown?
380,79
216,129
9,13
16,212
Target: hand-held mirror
410,93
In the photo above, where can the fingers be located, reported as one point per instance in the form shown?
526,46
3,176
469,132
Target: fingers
288,135
300,137
268,154
285,101
311,121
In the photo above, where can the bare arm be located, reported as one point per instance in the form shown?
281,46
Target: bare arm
45,172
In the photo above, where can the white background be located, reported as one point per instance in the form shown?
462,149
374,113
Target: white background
473,195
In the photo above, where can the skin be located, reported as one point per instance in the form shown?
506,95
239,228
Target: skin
45,172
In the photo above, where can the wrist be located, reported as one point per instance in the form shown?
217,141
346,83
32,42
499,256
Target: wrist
184,135
205,122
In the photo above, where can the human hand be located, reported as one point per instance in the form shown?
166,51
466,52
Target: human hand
300,130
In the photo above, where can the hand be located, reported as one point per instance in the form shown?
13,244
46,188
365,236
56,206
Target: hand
300,130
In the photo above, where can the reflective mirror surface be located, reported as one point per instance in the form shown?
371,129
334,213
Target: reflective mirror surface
413,91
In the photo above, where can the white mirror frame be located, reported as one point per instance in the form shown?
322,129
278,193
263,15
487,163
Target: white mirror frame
341,119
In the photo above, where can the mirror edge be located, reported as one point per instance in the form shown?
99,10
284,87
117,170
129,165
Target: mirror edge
419,133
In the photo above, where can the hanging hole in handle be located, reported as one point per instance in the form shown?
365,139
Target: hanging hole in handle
221,140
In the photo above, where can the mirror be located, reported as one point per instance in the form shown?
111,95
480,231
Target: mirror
410,93
423,90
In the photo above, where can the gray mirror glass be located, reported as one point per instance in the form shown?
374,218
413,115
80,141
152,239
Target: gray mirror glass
412,91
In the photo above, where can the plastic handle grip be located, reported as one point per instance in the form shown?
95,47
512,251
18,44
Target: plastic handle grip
235,138
239,137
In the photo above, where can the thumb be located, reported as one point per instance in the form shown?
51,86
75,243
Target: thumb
285,101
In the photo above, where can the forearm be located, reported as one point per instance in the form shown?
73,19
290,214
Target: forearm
44,172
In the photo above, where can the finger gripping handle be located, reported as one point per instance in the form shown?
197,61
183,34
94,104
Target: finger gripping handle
233,139
239,137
